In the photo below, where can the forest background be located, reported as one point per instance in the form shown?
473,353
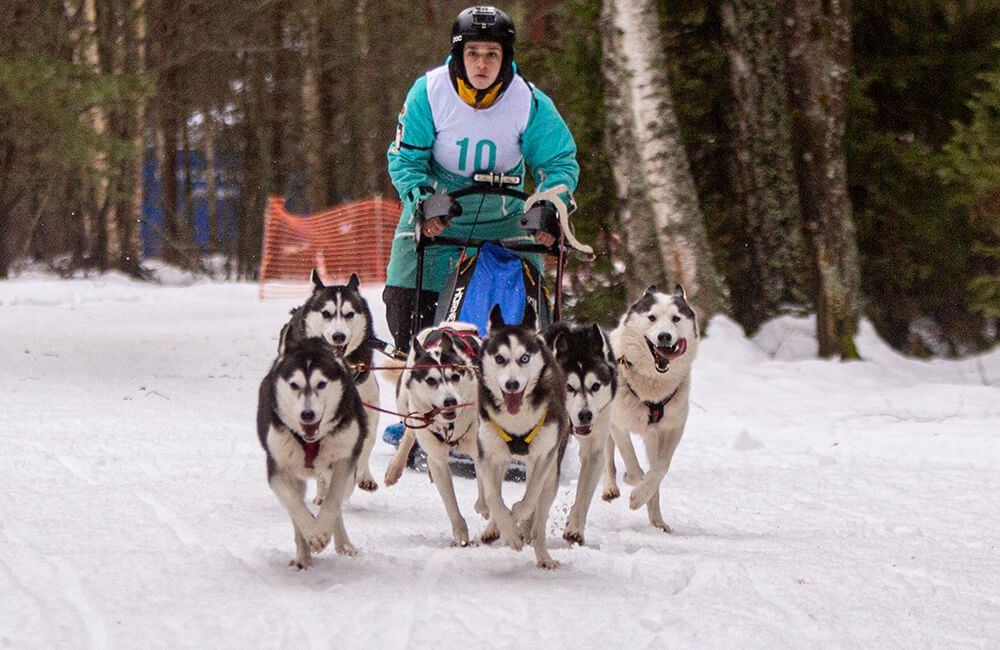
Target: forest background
827,156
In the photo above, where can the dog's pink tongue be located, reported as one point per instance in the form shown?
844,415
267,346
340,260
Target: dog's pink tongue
513,402
680,349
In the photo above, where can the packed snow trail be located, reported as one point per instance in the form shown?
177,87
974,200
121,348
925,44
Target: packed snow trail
813,503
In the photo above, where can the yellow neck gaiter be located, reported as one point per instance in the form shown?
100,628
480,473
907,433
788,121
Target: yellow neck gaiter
469,93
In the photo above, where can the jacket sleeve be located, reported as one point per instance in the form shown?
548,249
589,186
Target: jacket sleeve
410,153
548,147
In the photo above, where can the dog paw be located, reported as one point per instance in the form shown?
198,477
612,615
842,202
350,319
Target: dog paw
641,495
573,536
300,563
491,534
367,483
347,549
611,492
514,540
662,525
482,509
317,540
460,535
547,563
633,479
393,473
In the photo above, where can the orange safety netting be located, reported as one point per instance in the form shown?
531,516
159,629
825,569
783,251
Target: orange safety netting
352,238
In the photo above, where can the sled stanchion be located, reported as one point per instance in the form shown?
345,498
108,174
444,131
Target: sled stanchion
415,318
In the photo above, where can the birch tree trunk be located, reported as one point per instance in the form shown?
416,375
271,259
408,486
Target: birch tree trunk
664,233
98,236
763,166
818,45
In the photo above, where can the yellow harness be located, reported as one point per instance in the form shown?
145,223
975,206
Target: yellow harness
518,444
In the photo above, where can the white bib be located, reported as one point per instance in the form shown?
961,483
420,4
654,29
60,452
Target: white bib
469,140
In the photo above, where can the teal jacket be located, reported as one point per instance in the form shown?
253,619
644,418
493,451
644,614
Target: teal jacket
547,147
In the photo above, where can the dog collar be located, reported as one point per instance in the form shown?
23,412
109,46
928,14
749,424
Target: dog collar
518,444
656,409
454,442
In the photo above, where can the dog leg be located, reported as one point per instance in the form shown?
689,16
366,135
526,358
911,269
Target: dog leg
321,488
303,559
501,516
661,451
611,491
438,461
331,513
364,475
534,483
623,440
542,558
291,493
590,472
398,463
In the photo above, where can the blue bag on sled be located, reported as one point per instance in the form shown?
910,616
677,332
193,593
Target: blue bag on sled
493,276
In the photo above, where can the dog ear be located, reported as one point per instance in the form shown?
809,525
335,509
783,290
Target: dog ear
679,293
651,289
418,350
530,319
560,345
354,281
447,344
496,319
316,280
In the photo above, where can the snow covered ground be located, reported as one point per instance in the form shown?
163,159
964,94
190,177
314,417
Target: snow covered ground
814,503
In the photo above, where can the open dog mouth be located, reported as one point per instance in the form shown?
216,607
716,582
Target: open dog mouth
448,414
310,432
583,430
513,401
664,354
339,350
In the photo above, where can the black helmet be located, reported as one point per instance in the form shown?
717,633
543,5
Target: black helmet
482,24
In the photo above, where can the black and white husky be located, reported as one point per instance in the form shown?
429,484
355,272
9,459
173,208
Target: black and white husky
522,412
340,316
584,354
312,425
439,383
655,342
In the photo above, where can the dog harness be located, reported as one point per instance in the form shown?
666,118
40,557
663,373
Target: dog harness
518,445
310,449
656,409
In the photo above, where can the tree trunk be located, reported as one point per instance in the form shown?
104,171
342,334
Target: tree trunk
665,234
312,118
818,46
763,166
211,188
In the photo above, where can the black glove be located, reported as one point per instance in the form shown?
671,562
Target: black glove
541,217
438,206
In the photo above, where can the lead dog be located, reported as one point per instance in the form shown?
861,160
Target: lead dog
311,424
522,412
655,342
584,354
339,315
439,383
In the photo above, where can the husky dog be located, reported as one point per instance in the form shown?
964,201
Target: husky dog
584,354
522,412
656,342
312,425
439,382
339,315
